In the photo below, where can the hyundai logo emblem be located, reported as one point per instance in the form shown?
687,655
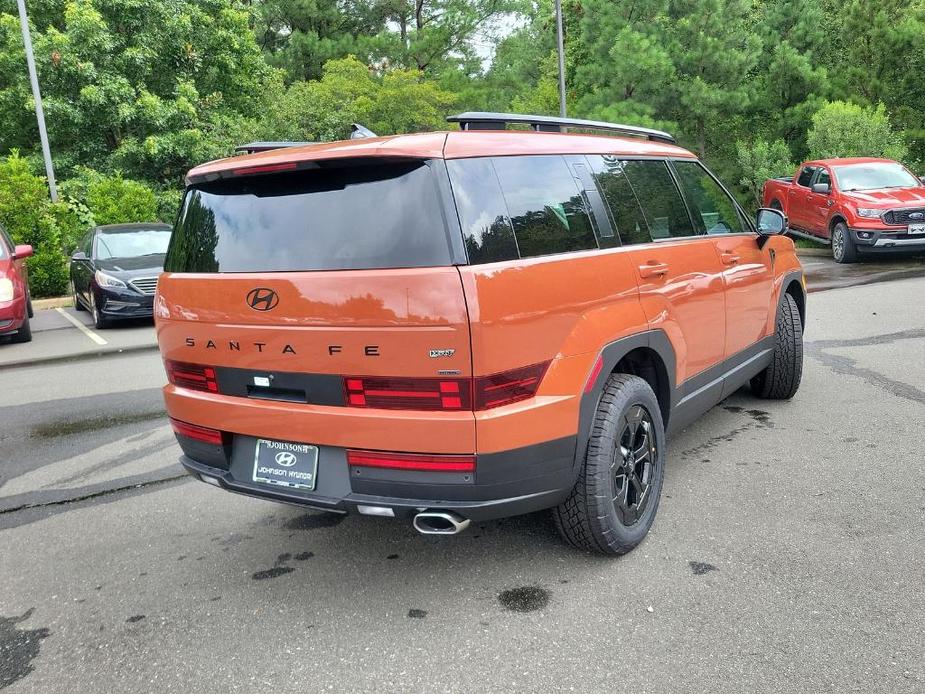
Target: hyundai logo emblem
262,299
286,459
917,215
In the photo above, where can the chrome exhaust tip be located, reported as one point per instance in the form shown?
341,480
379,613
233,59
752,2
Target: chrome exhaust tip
439,523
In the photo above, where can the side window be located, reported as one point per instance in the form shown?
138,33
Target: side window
824,177
625,212
709,201
88,244
486,227
660,199
806,176
545,204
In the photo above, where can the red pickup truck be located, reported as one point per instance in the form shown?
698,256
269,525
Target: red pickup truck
860,205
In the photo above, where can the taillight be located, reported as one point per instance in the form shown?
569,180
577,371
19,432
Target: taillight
412,461
408,393
192,376
193,431
509,386
444,394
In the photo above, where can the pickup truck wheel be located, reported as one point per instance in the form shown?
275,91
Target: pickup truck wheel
781,380
614,501
843,248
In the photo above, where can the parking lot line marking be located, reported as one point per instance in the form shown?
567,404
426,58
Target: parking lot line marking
81,327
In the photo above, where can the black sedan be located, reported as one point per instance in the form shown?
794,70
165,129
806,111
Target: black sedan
115,268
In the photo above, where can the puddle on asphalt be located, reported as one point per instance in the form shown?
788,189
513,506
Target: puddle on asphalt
18,648
524,599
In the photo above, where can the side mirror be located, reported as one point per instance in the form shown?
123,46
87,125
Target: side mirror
22,251
79,255
770,222
822,188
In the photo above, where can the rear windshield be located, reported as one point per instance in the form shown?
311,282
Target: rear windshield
350,218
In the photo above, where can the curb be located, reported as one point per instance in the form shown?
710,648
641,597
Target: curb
79,356
814,252
53,302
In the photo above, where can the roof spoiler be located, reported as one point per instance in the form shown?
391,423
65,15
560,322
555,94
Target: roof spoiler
481,120
253,147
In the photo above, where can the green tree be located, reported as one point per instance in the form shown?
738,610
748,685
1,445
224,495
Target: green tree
841,129
149,86
398,101
760,160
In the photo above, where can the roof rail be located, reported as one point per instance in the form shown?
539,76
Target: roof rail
252,147
479,120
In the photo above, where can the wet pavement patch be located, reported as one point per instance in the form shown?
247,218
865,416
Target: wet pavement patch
302,556
392,556
311,521
275,572
66,428
18,648
417,614
135,618
524,599
700,568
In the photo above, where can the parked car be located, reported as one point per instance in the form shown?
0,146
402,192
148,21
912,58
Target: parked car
466,325
15,302
858,205
115,268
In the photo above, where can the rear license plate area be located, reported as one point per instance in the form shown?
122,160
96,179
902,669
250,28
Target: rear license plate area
285,464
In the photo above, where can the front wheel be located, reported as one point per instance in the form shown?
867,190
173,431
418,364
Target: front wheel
99,320
24,334
614,501
844,249
781,380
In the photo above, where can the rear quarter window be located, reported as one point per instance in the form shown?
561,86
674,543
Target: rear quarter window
545,204
368,216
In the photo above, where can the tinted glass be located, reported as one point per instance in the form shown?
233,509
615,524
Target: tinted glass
660,199
824,177
545,204
132,244
625,212
716,210
874,176
324,219
806,175
486,226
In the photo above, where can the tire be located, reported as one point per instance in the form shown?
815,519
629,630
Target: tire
99,321
24,334
781,380
590,518
844,249
77,305
29,310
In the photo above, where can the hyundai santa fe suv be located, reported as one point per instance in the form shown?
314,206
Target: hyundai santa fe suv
465,325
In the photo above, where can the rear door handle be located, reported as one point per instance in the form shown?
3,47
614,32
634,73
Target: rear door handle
729,258
653,269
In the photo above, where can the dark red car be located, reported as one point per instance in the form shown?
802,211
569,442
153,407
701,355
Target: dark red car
860,206
15,304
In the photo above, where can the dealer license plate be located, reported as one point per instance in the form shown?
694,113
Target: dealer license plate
283,464
916,229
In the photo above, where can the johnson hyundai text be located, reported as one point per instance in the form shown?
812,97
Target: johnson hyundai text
458,326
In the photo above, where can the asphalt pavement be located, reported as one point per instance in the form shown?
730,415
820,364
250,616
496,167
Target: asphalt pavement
786,556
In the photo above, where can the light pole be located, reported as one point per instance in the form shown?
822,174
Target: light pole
560,47
37,96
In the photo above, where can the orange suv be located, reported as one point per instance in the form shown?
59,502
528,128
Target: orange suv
467,325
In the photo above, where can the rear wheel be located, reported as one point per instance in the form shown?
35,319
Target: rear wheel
843,248
24,334
614,501
781,380
29,311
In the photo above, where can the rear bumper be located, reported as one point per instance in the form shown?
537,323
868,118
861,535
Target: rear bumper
887,241
505,484
12,315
